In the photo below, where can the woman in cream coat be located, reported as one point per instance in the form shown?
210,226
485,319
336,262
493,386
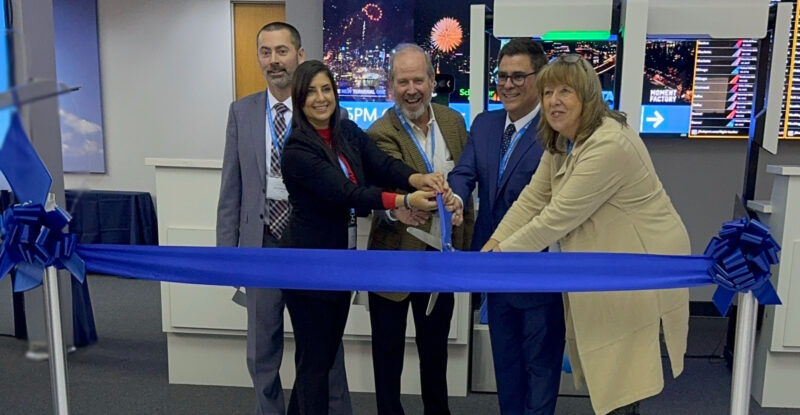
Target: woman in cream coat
596,190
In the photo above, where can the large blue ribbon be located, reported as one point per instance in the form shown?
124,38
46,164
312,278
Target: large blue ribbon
743,252
392,271
32,240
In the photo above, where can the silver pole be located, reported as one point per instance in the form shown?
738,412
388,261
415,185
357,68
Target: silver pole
743,354
58,364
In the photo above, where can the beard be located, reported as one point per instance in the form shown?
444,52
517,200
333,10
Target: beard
414,115
278,82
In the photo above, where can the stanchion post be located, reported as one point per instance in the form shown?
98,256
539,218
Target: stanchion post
743,354
58,364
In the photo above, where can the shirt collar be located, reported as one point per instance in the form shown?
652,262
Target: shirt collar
431,120
272,101
518,124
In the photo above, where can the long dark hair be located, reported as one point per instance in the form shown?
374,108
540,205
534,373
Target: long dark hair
302,79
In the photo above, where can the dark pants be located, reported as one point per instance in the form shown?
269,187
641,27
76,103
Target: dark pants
528,348
265,352
318,329
388,320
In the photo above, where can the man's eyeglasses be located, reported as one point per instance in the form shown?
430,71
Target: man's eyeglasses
517,78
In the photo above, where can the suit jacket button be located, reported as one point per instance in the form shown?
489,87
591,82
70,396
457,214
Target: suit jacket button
264,191
261,216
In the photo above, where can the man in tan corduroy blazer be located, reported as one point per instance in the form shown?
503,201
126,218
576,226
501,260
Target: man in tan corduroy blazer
415,123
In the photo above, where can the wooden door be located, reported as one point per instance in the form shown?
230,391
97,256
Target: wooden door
248,18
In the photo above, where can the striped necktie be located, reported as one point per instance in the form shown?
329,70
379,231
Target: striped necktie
278,209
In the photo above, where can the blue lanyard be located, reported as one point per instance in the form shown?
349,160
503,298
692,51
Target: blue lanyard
347,175
510,149
411,134
271,123
569,147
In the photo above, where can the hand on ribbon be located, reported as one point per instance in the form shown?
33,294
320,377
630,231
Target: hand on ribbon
458,212
32,240
743,252
433,181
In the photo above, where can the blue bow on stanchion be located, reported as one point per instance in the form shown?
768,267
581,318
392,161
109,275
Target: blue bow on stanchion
743,253
32,238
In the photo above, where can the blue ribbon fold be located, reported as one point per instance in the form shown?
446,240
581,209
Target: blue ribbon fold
24,170
445,225
32,240
743,252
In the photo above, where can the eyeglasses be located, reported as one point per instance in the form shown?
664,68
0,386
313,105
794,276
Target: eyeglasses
517,78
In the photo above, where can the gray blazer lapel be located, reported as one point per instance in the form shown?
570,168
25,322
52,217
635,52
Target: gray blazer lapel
258,136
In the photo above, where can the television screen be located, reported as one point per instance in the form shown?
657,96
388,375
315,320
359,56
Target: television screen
698,88
359,38
789,127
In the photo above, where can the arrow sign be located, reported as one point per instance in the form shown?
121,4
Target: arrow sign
656,119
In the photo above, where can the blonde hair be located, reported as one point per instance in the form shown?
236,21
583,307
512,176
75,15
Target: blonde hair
577,73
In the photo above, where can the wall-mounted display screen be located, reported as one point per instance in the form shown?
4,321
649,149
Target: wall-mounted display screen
359,38
789,127
698,88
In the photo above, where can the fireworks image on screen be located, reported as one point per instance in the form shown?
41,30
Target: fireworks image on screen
359,38
372,11
447,35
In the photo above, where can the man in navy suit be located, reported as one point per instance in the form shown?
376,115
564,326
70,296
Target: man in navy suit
527,330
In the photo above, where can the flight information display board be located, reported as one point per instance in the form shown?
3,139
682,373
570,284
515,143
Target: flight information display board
699,88
789,127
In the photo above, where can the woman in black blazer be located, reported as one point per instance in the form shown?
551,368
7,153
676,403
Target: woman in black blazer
333,172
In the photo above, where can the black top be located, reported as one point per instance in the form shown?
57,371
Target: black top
321,195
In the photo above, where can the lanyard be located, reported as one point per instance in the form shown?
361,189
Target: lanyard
347,175
428,163
271,123
510,149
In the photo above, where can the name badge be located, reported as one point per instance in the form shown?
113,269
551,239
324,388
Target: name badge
276,190
351,236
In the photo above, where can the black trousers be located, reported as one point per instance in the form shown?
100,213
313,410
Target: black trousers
388,320
318,328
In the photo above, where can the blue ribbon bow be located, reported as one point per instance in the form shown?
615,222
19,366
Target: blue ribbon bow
32,240
743,252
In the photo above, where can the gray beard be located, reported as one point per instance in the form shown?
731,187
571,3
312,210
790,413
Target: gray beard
413,116
279,83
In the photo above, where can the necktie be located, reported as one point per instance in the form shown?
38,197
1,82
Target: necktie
507,136
278,209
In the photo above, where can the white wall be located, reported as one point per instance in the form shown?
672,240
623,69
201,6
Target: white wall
167,81
166,70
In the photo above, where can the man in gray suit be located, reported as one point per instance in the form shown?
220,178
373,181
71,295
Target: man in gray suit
253,210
